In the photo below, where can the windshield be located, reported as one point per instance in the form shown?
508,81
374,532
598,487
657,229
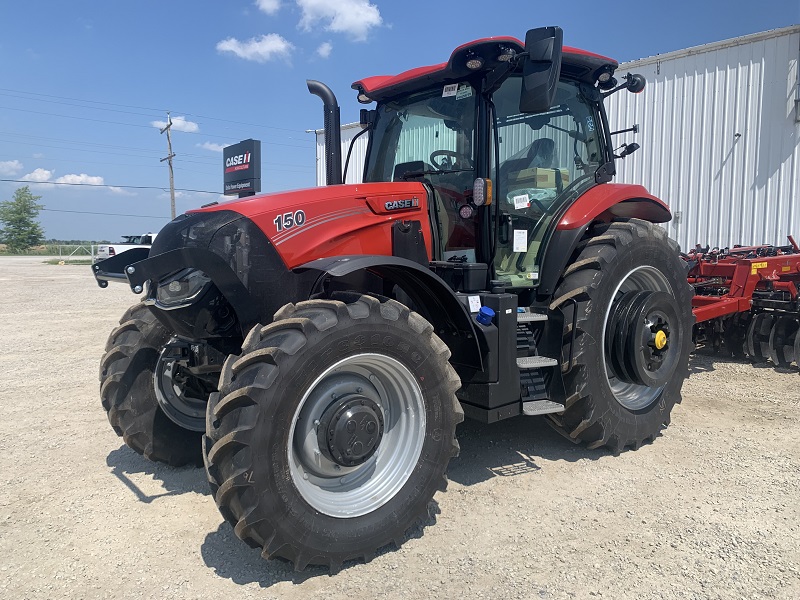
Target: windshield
430,136
545,161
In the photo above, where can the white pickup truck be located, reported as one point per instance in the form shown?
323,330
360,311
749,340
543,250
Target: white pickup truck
128,242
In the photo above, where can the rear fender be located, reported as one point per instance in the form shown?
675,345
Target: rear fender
612,201
602,203
431,296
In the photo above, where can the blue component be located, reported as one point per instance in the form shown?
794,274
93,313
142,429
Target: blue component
485,315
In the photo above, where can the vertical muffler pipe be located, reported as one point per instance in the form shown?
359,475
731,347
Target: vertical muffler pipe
333,134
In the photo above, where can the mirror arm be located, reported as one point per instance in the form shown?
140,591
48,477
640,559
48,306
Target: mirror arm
634,129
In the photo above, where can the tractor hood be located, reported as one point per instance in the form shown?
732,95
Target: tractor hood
305,225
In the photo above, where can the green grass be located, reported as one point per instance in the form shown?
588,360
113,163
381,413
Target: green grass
50,250
69,261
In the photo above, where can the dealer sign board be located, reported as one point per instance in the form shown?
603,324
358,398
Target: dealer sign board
242,168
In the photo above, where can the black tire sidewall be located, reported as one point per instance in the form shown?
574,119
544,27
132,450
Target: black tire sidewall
648,252
281,502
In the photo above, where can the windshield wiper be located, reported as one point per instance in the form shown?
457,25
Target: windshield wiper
410,174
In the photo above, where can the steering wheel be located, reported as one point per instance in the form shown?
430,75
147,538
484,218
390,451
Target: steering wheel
444,164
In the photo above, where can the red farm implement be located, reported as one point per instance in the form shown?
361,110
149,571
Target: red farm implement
746,300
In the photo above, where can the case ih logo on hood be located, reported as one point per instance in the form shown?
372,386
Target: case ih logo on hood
240,162
402,204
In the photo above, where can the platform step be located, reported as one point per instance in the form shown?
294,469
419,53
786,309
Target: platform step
541,407
535,362
530,317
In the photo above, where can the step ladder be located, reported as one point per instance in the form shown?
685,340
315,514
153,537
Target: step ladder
536,407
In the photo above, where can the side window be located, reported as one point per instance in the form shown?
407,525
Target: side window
430,137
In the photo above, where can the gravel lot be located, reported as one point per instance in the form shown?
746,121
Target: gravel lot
710,510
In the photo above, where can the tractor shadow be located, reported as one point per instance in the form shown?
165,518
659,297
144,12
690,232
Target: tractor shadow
705,361
232,559
148,481
509,448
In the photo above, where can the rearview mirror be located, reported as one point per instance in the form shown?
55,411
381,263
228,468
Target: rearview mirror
541,69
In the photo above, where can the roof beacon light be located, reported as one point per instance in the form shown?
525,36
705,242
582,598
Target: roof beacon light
506,54
363,98
474,62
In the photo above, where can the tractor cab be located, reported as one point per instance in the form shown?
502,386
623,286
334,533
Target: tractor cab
505,135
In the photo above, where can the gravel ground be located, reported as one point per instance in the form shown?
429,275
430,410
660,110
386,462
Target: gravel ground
710,510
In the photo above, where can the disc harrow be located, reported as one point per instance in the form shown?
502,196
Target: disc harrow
746,301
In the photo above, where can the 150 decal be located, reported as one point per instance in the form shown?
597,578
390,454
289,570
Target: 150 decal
289,220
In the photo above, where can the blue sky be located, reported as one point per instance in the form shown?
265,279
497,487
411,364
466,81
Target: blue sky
83,84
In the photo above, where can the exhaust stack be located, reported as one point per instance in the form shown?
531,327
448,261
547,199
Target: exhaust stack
333,134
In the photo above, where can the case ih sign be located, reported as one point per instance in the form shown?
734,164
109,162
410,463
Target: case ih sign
242,168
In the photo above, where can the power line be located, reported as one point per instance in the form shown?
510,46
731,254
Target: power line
156,110
85,212
210,135
107,185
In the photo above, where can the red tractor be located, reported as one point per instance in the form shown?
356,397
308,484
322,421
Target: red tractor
316,349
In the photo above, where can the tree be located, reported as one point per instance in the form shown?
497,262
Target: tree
20,220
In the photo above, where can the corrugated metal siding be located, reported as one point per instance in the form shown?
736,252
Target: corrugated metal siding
720,138
355,169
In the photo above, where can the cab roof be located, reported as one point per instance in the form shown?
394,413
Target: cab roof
575,63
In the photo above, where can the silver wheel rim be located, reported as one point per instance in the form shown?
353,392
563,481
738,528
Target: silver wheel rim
348,492
634,396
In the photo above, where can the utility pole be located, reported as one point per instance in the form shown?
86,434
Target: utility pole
169,158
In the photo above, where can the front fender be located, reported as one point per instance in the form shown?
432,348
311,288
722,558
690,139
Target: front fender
432,298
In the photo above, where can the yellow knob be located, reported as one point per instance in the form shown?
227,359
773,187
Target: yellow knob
661,339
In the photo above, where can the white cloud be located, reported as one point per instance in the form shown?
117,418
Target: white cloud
324,49
178,124
211,146
352,17
82,178
261,49
120,191
38,155
10,167
38,175
269,7
44,177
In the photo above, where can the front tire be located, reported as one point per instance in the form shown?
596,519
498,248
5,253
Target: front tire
632,337
128,393
333,430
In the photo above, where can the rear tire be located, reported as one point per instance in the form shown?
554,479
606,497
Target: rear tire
615,396
128,393
279,450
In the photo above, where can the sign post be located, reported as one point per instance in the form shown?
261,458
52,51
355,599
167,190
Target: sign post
242,168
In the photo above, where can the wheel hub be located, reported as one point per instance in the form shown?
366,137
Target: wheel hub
638,338
350,430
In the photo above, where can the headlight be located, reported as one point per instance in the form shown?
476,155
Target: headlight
181,288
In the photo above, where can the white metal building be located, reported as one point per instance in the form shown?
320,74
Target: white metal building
720,136
719,129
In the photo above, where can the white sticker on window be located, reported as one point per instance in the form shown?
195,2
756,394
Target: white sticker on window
520,240
450,90
474,303
464,91
522,201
